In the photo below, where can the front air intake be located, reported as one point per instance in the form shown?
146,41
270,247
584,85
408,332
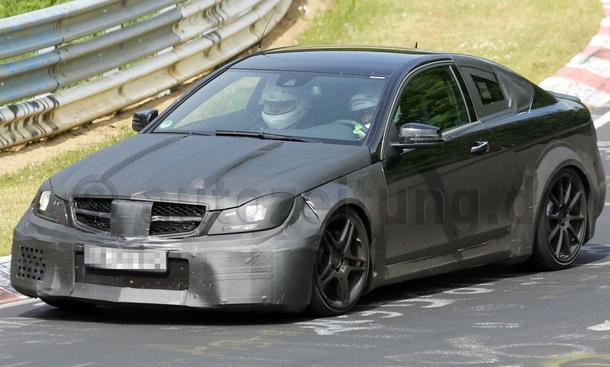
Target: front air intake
31,263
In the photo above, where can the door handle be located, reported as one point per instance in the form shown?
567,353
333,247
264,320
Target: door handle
479,147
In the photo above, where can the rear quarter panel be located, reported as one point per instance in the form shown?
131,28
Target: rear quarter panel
535,145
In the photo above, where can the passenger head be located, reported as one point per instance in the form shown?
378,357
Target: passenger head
363,104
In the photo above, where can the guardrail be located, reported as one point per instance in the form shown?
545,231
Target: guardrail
69,64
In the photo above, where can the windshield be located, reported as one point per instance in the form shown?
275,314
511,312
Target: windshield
311,106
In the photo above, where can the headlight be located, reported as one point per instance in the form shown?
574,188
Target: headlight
49,206
259,214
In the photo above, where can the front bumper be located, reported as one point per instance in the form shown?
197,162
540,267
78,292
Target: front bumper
268,269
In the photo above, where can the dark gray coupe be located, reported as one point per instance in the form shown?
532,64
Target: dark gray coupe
298,178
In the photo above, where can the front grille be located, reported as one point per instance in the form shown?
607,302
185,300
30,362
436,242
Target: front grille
96,205
177,210
102,224
93,213
171,218
167,219
31,263
162,228
176,277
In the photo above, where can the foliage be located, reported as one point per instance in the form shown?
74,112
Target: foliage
8,8
534,38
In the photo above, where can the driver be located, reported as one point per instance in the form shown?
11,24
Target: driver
363,105
284,107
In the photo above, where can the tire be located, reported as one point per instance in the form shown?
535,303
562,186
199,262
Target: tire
342,266
561,223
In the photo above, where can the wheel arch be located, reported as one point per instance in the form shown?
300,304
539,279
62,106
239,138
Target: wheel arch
555,159
538,175
365,192
359,209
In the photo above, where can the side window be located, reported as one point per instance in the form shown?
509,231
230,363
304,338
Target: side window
432,97
486,91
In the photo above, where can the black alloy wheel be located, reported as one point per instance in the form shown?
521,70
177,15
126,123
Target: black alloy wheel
342,265
562,224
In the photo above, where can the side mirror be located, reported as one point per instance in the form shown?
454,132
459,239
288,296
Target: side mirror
414,135
142,118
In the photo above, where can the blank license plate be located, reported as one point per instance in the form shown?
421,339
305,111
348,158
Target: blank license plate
121,259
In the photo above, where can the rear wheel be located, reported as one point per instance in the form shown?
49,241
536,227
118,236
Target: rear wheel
562,222
342,265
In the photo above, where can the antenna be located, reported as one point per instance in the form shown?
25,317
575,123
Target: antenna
415,44
260,41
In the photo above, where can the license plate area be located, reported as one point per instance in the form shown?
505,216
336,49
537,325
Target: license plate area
125,259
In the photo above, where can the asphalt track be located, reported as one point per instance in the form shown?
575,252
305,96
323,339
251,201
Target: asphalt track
489,316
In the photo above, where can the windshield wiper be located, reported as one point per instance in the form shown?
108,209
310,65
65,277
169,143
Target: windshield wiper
183,132
261,135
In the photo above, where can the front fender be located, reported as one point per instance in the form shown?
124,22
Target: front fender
365,190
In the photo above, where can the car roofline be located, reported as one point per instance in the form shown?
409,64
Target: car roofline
364,48
390,49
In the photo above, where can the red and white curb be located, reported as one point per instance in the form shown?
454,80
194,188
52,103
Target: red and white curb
7,293
587,75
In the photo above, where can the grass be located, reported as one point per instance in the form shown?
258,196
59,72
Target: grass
8,8
534,38
18,189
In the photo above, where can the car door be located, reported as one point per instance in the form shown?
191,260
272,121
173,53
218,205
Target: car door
503,104
440,199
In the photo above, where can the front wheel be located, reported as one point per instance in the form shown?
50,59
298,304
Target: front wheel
562,222
342,265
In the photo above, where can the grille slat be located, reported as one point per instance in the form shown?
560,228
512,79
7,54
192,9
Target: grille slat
166,218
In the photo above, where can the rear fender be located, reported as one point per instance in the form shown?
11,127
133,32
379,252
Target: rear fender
527,205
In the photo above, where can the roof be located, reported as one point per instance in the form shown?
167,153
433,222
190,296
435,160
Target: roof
341,60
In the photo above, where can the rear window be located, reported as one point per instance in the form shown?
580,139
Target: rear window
489,90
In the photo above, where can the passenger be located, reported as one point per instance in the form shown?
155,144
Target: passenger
364,105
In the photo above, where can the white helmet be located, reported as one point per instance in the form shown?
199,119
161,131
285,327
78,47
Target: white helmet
283,106
362,101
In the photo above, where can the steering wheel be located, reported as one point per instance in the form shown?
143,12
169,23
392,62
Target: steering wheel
350,123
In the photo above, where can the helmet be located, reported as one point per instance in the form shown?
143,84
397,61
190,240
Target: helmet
364,101
283,106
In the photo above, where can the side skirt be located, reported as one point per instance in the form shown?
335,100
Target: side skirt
473,256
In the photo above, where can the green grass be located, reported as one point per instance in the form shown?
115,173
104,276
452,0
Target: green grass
18,189
8,8
534,38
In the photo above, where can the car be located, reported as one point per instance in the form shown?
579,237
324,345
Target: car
302,178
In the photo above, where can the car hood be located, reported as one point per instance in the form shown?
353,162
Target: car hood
219,172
